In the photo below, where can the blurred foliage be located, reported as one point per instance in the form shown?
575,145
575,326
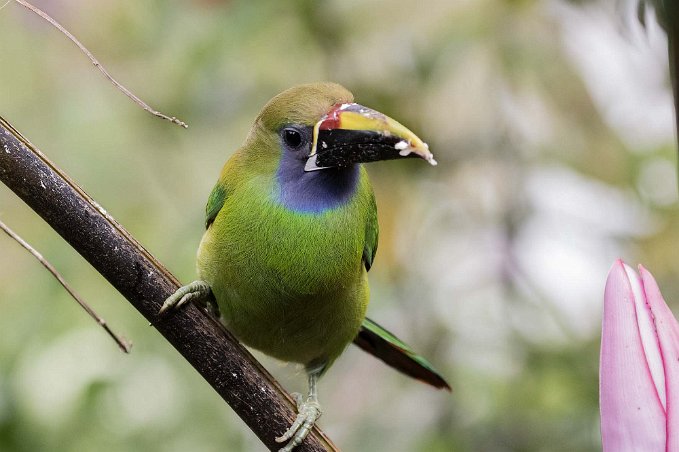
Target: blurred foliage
552,125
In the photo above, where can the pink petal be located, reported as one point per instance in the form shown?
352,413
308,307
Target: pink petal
668,337
632,417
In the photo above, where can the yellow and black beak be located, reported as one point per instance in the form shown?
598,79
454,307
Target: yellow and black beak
352,133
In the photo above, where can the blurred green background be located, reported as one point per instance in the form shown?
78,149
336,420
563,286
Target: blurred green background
553,128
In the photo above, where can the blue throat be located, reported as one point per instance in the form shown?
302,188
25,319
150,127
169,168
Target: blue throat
314,191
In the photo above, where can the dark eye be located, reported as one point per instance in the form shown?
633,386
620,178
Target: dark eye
292,138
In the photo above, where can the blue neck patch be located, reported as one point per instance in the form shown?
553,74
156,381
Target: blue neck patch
314,191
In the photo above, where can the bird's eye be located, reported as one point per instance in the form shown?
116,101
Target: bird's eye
292,138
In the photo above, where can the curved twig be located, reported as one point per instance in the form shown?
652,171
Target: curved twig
98,65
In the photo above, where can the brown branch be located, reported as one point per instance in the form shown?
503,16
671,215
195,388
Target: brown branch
98,65
122,343
230,369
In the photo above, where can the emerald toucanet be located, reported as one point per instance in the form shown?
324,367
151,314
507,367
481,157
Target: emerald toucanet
291,232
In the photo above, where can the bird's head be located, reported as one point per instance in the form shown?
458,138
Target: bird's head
321,126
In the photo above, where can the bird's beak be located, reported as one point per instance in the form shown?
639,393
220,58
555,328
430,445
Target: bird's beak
352,133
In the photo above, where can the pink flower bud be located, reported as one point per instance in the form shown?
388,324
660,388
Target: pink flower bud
639,367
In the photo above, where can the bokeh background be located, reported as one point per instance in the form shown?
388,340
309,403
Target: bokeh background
553,127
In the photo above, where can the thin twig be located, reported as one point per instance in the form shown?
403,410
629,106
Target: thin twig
98,65
122,343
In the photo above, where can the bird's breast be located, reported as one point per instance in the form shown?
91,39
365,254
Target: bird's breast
284,279
277,249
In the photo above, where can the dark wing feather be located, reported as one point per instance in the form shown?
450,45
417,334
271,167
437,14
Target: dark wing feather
382,344
214,203
372,232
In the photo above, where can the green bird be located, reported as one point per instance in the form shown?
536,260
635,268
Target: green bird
291,232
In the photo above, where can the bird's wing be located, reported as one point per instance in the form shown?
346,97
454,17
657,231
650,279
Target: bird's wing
214,203
372,232
382,344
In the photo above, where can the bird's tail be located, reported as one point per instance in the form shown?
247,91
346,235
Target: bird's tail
382,344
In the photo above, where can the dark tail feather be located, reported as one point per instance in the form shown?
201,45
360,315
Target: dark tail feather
382,344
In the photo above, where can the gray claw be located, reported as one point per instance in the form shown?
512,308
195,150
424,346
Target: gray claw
308,413
198,291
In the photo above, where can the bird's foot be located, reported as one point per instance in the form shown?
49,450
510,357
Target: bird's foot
197,292
308,413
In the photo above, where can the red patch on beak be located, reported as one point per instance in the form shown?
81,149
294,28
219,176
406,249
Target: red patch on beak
332,119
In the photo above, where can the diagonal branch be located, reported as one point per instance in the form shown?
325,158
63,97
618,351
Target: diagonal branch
230,369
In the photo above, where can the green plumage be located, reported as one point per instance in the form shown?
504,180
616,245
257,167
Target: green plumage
290,284
286,251
294,284
214,204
